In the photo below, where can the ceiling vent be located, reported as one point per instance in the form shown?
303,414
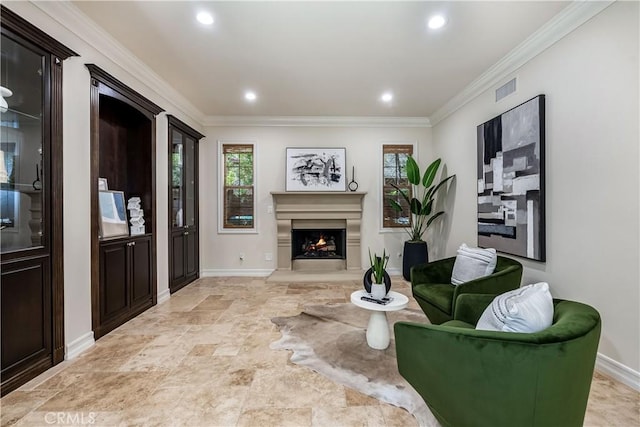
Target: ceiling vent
506,89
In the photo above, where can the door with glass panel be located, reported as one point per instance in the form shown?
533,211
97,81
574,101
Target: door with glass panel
30,178
184,266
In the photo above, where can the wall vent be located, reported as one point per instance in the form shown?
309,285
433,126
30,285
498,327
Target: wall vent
506,89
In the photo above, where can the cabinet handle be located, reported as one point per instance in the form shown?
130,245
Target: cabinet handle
186,233
133,243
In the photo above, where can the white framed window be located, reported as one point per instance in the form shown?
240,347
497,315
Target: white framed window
237,187
394,161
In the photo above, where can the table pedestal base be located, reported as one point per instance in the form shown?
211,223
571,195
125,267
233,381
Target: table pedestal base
378,331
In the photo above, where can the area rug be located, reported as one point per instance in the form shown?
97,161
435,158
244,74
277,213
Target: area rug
330,339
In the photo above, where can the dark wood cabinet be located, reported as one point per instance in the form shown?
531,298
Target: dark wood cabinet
123,154
125,271
31,249
184,265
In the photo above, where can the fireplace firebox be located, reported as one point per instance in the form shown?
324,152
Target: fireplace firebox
318,244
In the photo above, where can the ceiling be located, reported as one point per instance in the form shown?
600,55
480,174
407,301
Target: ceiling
319,58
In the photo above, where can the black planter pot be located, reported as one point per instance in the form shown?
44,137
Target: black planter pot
414,253
366,281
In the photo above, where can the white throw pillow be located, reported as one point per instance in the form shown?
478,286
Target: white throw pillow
527,309
472,263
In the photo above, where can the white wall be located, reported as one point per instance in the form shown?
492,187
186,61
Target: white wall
77,204
76,146
590,79
220,252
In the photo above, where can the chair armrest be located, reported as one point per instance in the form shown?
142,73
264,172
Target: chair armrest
433,272
493,284
469,307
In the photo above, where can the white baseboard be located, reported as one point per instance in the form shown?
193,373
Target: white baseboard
77,346
243,273
619,372
164,296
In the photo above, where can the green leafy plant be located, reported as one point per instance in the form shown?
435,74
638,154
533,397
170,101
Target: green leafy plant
378,265
422,203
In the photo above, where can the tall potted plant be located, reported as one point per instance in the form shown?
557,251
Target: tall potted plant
421,209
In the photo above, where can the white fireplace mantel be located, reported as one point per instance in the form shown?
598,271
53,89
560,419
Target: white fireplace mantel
318,209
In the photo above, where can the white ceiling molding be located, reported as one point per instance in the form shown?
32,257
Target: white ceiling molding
558,27
70,17
316,121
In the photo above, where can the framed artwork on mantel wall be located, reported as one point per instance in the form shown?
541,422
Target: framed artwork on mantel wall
316,169
511,190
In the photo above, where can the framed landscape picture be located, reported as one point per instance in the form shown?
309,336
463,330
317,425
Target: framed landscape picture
113,215
511,197
316,169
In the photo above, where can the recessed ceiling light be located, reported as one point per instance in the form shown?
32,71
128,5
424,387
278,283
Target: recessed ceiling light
205,18
386,97
250,96
437,21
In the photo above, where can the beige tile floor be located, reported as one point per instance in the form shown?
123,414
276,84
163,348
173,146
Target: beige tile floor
203,359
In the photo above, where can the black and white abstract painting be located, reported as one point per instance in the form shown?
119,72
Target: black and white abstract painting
511,210
316,169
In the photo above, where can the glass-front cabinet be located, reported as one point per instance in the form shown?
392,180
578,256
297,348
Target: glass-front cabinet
183,212
31,257
22,187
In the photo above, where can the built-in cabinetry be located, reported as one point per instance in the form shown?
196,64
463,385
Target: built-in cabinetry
31,251
184,266
126,276
123,156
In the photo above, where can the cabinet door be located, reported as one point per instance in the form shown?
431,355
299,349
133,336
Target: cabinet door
177,256
183,169
140,268
114,295
26,315
191,253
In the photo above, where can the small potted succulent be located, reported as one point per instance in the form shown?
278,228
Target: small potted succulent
376,280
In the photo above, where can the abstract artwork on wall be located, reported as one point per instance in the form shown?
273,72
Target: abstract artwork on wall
511,210
113,217
316,169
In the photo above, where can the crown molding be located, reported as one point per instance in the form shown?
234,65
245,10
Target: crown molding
77,23
570,18
316,121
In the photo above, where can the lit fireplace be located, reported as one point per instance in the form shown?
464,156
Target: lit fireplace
318,244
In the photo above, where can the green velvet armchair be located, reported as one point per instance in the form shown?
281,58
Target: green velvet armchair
475,378
432,288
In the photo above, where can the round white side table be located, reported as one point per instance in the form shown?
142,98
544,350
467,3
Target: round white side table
378,328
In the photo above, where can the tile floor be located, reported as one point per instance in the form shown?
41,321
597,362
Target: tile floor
203,359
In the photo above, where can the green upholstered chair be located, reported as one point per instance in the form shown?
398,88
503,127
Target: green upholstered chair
478,378
432,288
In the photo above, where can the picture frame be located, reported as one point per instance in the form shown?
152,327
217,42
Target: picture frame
511,181
102,184
316,169
113,214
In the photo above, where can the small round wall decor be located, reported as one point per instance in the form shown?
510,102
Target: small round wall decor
353,185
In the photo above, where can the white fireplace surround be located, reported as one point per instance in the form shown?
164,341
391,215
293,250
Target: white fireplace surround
318,210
